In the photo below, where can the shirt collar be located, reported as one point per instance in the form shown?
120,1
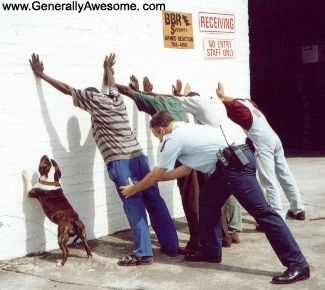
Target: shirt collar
174,127
177,125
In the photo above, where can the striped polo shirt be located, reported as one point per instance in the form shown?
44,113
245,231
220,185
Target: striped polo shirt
110,123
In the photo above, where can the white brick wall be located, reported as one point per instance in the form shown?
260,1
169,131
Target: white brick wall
36,119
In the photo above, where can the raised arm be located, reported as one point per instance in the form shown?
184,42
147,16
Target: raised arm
108,79
220,91
108,65
176,90
38,69
147,85
130,90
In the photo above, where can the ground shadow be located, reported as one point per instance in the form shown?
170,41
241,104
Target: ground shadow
304,153
113,247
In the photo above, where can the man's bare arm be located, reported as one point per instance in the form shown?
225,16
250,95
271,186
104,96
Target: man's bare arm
108,64
150,179
148,87
38,69
220,91
125,90
176,173
176,90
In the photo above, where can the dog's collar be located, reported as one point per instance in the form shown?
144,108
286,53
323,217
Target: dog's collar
53,183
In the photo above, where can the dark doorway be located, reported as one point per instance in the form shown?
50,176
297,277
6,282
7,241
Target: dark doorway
291,93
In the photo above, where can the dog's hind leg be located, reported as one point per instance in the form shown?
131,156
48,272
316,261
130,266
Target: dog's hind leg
84,240
63,237
81,233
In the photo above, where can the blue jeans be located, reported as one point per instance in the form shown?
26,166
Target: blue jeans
135,207
244,186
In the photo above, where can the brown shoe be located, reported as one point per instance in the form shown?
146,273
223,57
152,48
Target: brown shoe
235,237
226,242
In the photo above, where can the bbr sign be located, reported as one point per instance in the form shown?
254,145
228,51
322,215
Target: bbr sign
177,30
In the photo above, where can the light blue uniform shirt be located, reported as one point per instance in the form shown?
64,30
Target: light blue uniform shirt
195,146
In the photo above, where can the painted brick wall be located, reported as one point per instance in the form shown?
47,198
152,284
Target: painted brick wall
36,119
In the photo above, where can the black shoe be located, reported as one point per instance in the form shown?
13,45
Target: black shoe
190,248
172,253
298,216
292,276
197,257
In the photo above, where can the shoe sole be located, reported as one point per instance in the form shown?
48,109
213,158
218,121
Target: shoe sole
135,263
304,277
211,262
295,218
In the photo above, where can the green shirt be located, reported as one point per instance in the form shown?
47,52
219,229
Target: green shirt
152,104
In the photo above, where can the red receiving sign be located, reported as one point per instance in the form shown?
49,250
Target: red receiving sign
219,48
216,22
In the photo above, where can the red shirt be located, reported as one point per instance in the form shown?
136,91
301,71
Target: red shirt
239,113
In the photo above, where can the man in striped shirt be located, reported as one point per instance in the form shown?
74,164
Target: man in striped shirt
150,103
124,158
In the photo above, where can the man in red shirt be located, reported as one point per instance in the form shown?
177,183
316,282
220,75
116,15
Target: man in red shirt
271,163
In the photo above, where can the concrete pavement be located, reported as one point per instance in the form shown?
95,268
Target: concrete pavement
248,265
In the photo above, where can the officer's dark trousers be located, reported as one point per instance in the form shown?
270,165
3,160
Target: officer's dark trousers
244,186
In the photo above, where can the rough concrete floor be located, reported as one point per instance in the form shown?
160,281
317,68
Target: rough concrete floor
248,265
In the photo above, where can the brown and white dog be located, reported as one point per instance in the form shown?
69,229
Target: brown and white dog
56,206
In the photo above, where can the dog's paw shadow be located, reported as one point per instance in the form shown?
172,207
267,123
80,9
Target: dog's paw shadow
55,257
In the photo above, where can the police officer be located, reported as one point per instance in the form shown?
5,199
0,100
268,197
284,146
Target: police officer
198,147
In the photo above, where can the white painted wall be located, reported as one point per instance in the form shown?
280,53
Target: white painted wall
36,119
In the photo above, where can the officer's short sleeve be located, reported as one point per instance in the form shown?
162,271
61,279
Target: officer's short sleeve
169,152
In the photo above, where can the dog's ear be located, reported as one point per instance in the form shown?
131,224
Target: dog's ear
44,166
57,174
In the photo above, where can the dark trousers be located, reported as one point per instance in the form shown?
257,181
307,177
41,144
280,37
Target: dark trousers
189,190
244,186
